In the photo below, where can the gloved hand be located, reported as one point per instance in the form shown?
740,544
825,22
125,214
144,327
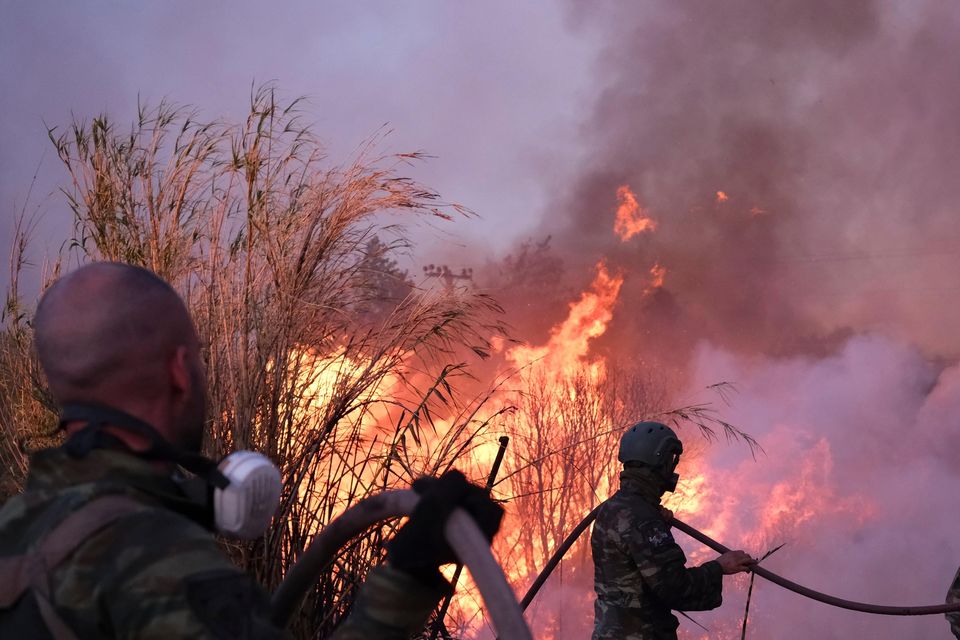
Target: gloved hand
419,548
735,562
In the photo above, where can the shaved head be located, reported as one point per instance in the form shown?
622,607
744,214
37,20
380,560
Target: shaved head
107,333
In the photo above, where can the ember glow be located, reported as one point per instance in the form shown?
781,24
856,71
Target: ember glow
658,274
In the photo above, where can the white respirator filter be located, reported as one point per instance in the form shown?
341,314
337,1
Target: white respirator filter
245,507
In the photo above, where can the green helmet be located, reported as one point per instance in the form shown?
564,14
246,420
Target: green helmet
655,445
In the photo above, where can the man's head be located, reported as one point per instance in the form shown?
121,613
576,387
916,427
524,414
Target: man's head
118,335
653,446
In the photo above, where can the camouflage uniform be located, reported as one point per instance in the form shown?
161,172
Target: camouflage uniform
639,572
156,572
953,595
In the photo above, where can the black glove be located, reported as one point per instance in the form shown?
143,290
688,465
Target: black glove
419,548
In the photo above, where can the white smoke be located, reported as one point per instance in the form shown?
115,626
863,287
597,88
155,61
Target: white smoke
859,479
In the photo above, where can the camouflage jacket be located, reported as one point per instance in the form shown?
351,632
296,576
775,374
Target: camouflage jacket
639,572
156,572
953,595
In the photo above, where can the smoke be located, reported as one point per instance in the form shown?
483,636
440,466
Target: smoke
797,159
822,280
486,88
830,130
856,480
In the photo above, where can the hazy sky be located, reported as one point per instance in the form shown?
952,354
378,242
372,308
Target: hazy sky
493,89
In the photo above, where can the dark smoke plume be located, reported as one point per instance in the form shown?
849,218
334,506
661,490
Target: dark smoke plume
799,159
831,130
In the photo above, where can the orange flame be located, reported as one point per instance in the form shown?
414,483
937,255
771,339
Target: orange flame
793,503
632,219
565,354
560,365
569,341
657,275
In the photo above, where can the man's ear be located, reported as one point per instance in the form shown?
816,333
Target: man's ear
179,370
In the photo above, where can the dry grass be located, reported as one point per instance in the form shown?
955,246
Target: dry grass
27,412
278,254
320,352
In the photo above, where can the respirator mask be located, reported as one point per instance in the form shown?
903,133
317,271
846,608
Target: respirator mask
237,496
670,475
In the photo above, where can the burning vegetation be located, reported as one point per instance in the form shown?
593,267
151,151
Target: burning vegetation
320,352
331,360
702,240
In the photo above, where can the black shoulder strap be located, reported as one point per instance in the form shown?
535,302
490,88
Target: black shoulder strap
93,437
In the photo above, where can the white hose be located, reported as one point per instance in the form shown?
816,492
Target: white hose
462,534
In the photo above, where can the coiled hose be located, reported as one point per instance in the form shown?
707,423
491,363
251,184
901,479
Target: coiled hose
925,610
463,535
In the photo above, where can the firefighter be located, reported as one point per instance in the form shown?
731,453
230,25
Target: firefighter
639,570
110,539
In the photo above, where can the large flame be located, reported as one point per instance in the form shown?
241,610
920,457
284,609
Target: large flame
569,341
564,454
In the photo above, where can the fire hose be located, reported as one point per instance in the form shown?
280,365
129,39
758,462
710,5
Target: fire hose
758,570
462,534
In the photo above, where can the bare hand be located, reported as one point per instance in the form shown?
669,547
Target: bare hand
735,562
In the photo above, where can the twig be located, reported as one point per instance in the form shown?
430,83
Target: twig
746,611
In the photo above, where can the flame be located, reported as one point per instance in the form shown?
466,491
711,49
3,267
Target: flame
319,375
569,341
691,491
798,501
757,519
657,275
564,375
632,219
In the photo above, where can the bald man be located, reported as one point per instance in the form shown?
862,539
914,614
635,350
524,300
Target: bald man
105,542
118,335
